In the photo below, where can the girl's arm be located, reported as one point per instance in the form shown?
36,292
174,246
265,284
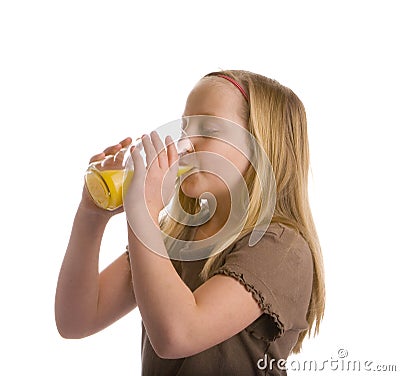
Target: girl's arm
86,301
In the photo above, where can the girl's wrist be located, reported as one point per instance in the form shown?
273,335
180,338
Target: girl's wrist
94,214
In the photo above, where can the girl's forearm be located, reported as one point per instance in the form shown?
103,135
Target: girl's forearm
166,304
78,283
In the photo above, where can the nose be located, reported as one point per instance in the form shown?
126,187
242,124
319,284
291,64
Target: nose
184,145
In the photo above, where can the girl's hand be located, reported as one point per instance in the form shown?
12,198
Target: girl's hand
151,187
112,159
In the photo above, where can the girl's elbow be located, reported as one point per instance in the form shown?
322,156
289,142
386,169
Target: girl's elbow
174,346
170,351
69,331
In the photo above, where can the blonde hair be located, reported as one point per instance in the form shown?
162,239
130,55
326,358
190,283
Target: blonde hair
276,118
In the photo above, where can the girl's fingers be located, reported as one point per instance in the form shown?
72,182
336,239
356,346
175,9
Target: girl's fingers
111,150
126,142
149,150
109,162
119,157
171,150
138,163
160,150
97,157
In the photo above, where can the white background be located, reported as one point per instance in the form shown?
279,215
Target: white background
76,76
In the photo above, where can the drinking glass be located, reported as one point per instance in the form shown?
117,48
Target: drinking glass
106,179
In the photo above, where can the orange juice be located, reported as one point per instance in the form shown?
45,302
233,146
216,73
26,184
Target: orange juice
182,170
105,186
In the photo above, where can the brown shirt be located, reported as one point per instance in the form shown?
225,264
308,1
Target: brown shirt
278,272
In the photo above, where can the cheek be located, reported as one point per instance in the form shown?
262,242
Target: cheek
221,158
242,163
236,158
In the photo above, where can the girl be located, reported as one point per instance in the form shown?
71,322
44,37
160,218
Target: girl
243,309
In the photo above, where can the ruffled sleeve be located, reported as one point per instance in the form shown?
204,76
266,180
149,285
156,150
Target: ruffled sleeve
277,271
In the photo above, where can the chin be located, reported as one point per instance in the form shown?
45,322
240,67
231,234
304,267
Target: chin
192,187
196,185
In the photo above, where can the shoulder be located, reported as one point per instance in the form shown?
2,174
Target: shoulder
277,233
278,242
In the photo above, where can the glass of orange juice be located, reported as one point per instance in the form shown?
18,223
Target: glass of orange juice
106,179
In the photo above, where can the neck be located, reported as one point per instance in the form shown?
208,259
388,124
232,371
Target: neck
220,209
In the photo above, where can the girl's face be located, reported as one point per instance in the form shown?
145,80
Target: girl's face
218,160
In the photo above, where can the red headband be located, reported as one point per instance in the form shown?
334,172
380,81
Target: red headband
230,79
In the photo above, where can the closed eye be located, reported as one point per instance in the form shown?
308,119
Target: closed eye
208,129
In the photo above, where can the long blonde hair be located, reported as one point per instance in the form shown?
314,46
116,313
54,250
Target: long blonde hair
276,118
